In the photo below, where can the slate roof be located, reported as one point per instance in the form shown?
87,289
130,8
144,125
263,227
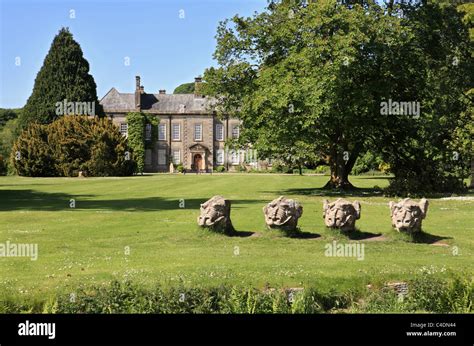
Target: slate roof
115,101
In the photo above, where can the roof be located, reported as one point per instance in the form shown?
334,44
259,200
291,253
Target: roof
115,101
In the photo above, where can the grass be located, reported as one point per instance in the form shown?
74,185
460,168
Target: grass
88,244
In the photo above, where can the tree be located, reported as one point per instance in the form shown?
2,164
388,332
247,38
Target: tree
320,73
8,135
467,10
64,76
7,114
185,88
307,72
432,152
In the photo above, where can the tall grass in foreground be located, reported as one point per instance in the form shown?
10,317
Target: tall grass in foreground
426,293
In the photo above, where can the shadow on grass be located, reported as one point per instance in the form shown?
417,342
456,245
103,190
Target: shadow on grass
54,201
241,234
424,238
360,235
356,192
298,234
378,177
304,235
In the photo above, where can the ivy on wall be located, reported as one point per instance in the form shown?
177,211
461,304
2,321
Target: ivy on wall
137,123
153,121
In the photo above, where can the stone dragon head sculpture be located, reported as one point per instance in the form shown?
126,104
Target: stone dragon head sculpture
215,215
407,215
341,214
283,213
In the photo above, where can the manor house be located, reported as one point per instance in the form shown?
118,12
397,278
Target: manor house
189,133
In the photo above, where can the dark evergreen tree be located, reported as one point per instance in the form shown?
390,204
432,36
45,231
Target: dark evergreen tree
63,76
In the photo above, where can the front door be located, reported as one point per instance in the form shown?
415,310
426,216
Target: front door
197,162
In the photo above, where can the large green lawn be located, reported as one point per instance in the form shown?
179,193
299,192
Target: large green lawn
88,244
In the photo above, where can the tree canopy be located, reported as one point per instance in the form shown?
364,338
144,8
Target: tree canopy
63,76
317,73
185,88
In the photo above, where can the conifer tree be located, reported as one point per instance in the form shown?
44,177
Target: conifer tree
63,76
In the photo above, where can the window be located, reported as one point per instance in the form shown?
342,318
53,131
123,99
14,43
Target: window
161,156
234,157
148,132
162,132
124,129
148,157
176,132
177,157
235,131
198,132
219,157
219,132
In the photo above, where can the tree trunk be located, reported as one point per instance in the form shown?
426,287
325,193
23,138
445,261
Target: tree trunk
340,169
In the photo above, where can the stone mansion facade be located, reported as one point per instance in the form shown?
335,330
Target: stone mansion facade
188,132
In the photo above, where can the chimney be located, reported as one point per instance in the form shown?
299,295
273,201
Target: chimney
137,82
142,89
197,86
138,93
162,92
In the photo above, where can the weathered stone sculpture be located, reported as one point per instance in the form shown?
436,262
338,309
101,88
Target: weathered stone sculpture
283,213
341,214
215,215
407,214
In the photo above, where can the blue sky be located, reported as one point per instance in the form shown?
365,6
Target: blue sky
168,42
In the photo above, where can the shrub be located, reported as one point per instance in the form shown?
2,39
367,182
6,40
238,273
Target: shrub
32,155
421,181
367,162
180,168
280,167
70,141
322,170
220,169
72,144
109,152
3,166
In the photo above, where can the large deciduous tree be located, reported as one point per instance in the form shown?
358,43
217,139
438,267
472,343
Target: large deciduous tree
311,73
432,152
63,76
318,73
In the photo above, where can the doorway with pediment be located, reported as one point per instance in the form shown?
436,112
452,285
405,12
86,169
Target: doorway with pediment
198,157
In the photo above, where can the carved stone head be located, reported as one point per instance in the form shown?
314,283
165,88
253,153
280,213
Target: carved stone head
283,213
215,214
341,214
407,214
